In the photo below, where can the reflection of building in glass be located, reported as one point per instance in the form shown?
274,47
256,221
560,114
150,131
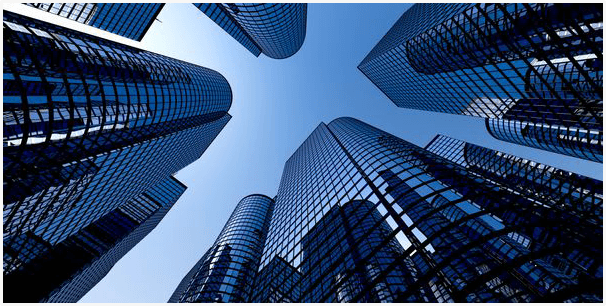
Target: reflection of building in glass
131,20
89,126
274,29
279,282
538,64
578,192
66,271
568,140
227,271
354,258
363,216
465,236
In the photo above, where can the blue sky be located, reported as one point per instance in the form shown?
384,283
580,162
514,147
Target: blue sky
276,105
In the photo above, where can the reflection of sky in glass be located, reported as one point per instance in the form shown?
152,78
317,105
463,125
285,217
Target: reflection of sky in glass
276,105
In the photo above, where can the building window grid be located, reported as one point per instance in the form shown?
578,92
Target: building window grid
129,20
243,238
559,139
58,200
477,215
277,30
478,19
72,290
88,122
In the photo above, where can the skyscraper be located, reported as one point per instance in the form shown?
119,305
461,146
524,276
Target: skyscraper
460,230
533,70
66,271
274,29
226,273
90,126
131,20
363,216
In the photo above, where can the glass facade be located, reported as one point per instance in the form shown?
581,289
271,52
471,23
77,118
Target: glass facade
577,192
274,29
65,272
226,273
363,216
540,64
568,140
89,126
278,279
462,236
130,20
348,240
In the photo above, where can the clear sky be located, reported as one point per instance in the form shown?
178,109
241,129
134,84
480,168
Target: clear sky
276,105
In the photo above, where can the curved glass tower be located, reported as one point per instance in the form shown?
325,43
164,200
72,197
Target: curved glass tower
539,64
363,216
91,125
226,273
130,20
274,29
572,141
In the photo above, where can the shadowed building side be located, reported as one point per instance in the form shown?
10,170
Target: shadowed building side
363,250
579,193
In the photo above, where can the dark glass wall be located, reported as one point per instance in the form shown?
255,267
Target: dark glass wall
436,230
346,249
277,282
275,29
65,272
227,272
131,20
536,63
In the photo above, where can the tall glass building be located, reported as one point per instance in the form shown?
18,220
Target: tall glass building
91,125
363,216
130,20
533,70
226,273
274,29
65,272
465,236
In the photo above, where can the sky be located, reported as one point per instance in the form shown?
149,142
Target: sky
276,105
